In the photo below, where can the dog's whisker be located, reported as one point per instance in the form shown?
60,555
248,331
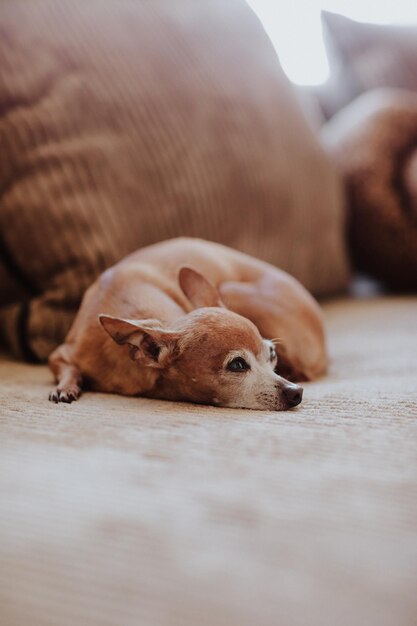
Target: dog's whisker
276,340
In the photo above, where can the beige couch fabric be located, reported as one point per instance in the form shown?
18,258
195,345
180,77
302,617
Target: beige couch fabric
127,122
136,512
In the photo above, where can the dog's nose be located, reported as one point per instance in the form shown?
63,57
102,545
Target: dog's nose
293,394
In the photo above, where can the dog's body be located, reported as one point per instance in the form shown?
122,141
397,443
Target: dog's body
181,310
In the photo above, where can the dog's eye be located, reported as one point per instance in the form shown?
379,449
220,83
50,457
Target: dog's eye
272,354
238,365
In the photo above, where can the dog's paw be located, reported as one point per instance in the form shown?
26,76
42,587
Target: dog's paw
68,394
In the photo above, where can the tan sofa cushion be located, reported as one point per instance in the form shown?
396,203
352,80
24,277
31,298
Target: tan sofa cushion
128,122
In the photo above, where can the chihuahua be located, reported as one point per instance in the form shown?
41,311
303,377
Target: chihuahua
191,320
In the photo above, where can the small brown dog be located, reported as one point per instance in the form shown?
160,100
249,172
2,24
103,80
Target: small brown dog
185,320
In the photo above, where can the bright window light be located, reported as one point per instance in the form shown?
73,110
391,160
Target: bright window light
294,27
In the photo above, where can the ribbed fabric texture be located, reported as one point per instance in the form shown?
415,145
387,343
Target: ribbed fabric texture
365,56
125,123
374,143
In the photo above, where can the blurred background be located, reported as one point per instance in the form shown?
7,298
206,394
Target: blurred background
296,31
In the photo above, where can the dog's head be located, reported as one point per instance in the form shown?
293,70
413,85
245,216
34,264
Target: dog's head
210,355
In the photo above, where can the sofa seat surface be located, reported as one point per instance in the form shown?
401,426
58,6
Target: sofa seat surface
126,511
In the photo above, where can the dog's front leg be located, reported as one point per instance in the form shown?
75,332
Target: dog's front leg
67,375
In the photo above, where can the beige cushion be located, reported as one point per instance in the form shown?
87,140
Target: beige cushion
124,123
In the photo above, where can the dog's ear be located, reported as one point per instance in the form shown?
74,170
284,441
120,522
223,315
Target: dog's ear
199,291
149,344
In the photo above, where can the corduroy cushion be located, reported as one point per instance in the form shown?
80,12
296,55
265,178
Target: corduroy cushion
373,141
366,56
124,123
